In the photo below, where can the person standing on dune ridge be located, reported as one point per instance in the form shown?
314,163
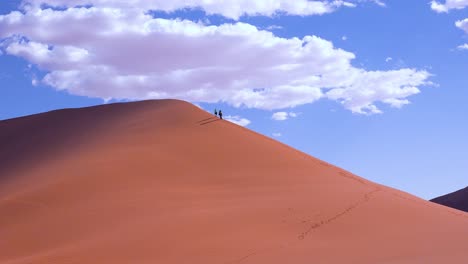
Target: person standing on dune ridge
216,113
220,114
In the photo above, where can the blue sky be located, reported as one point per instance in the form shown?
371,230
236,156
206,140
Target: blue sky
375,87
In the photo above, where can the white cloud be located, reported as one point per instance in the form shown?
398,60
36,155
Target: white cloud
233,9
463,47
448,5
111,52
238,120
376,86
388,59
277,134
60,57
281,116
344,38
379,2
34,81
273,27
462,24
453,4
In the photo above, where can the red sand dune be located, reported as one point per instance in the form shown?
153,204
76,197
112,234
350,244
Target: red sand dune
457,200
165,182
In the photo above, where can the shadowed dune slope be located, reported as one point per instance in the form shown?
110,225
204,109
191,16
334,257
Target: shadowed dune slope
457,199
166,182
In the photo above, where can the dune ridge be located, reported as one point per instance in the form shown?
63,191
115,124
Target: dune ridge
165,182
457,200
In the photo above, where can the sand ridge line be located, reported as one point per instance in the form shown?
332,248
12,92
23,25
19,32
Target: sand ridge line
140,199
303,155
452,211
349,176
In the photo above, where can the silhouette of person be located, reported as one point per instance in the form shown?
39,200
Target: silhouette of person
216,113
220,114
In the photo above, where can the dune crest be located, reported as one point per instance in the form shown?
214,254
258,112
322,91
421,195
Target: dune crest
165,182
457,200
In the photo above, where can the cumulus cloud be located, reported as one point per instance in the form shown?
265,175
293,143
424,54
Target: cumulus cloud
233,9
462,24
238,120
117,50
276,134
463,47
281,116
388,59
448,5
377,88
453,4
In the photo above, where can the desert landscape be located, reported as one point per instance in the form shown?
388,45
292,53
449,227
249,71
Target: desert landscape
165,182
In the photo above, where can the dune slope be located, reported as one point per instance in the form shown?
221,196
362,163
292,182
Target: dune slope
165,182
457,199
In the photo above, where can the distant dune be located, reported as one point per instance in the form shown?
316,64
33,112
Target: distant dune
166,182
457,200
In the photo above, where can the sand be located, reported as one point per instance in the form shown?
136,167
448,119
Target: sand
166,182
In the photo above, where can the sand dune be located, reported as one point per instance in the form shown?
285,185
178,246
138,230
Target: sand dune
165,182
457,199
